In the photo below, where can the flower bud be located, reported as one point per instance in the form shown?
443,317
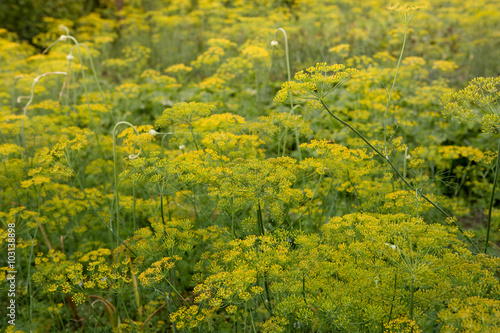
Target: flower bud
274,43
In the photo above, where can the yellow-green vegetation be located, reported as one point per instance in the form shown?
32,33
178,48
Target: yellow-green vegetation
251,166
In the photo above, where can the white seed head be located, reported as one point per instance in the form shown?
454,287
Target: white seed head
70,57
63,38
153,132
35,81
274,43
182,147
408,157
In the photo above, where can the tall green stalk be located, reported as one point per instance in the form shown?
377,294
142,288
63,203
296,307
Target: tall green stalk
192,135
163,216
92,120
289,76
392,89
32,95
116,198
266,285
259,220
492,198
30,289
89,56
99,217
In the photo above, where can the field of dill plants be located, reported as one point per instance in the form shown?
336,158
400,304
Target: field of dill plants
252,166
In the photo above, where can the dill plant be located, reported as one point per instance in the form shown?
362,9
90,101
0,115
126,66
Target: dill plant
250,240
315,84
478,103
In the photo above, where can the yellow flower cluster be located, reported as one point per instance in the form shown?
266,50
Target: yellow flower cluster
477,103
240,214
316,82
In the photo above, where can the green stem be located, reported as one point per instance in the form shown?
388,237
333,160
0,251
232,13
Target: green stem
29,278
289,76
162,216
304,288
392,89
99,217
232,222
266,287
133,205
412,292
251,319
497,166
288,71
393,297
115,172
32,95
404,162
325,202
162,149
192,134
314,194
385,158
170,310
92,120
110,111
168,210
259,219
279,146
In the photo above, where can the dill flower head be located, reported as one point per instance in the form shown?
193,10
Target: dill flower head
255,53
406,11
342,50
174,69
185,113
478,102
315,82
406,7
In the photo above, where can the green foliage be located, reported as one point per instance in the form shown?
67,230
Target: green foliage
215,209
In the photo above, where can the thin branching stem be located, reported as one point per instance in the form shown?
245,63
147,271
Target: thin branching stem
492,198
386,159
